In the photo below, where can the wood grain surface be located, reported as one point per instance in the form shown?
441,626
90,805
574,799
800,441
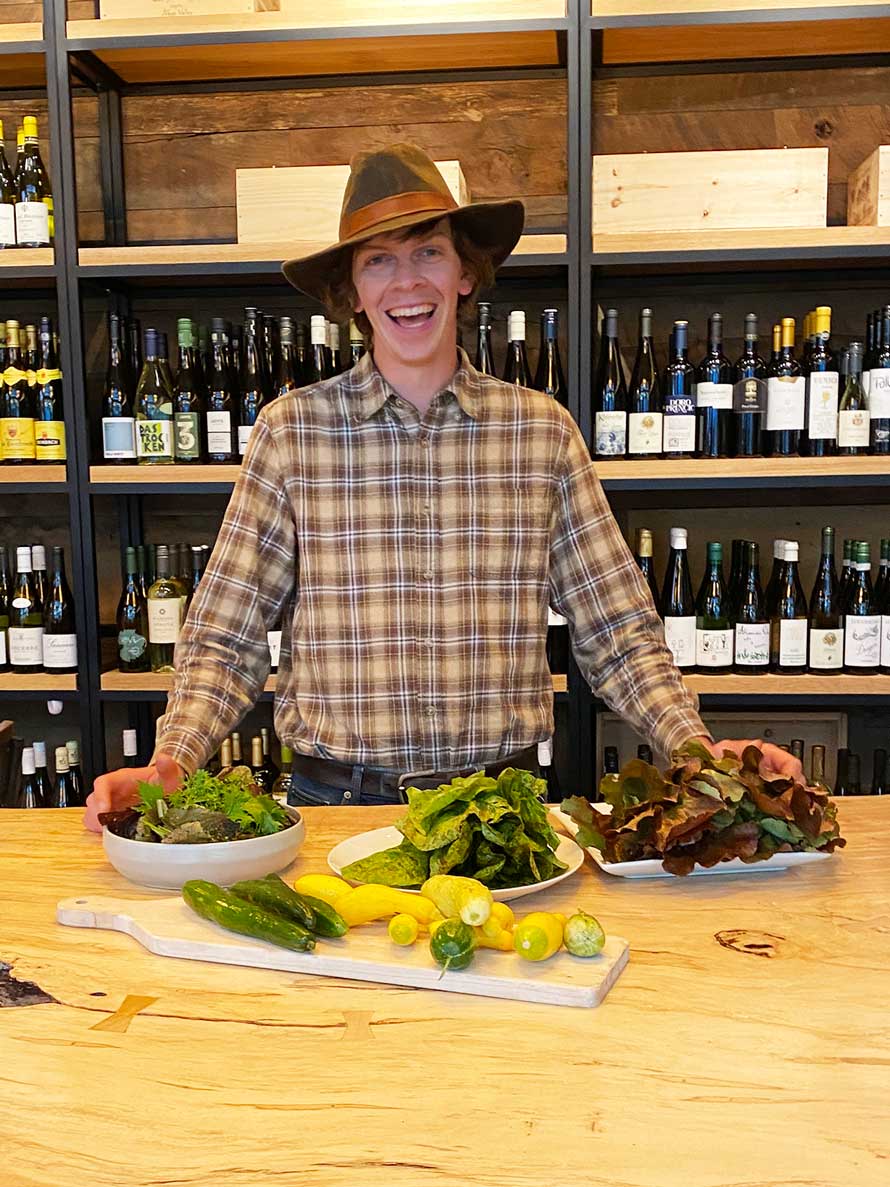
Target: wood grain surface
746,1043
154,681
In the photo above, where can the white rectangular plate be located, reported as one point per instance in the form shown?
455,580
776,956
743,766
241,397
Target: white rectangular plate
652,868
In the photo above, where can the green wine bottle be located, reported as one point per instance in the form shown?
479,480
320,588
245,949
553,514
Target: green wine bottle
154,408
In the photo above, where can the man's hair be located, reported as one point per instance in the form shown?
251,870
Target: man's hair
340,295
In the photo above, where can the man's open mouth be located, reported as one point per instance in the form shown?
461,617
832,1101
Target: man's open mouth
408,316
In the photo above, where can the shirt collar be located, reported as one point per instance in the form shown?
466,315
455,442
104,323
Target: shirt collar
367,391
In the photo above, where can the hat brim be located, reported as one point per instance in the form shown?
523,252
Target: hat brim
494,227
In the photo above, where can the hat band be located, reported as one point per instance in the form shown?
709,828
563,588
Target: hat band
418,202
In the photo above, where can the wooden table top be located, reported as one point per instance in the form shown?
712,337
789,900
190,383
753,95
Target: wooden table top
747,1043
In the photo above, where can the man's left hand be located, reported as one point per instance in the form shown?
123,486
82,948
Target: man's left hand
776,761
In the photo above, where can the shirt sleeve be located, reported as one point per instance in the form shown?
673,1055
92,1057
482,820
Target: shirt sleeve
617,636
222,656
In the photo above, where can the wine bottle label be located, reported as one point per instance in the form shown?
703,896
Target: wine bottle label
713,649
131,645
219,432
862,641
826,649
187,428
154,438
32,223
749,395
42,376
752,644
59,651
2,648
853,428
49,441
645,431
822,397
17,439
885,640
274,639
244,432
554,619
611,434
118,438
679,424
713,395
879,394
164,619
785,402
793,642
679,634
7,224
26,646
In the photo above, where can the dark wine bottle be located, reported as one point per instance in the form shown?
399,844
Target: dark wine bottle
713,395
134,351
853,428
713,627
41,775
189,411
862,619
643,557
132,621
558,645
644,753
822,389
75,773
7,204
49,423
789,621
610,393
59,629
28,795
254,385
318,363
517,368
678,398
118,421
878,386
817,769
220,404
4,609
826,619
752,627
484,354
64,793
884,610
749,394
677,604
786,398
842,775
549,377
271,350
645,420
846,573
16,404
356,344
286,376
879,772
548,771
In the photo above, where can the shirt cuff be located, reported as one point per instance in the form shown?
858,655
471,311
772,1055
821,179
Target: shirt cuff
676,726
183,746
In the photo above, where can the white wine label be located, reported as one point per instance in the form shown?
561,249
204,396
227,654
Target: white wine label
885,640
118,438
862,641
131,645
645,431
879,395
713,395
7,224
219,432
164,619
853,428
154,438
274,640
752,644
713,649
822,396
59,651
243,437
826,649
187,435
32,223
679,425
21,603
2,648
554,619
679,634
749,395
26,646
611,434
793,643
786,402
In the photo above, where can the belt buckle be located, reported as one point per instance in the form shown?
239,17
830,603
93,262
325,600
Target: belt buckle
408,777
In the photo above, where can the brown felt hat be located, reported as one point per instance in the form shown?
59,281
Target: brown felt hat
399,187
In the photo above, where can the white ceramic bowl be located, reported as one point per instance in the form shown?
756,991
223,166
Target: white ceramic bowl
167,867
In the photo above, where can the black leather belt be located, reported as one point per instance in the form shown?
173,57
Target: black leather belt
359,779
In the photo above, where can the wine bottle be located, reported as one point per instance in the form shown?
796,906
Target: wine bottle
356,344
271,352
118,421
736,570
269,763
28,794
549,377
165,606
286,377
645,421
199,563
4,610
130,747
853,415
16,405
237,757
862,618
644,753
41,775
789,620
64,792
610,393
49,426
884,609
797,748
257,766
786,398
883,565
558,645
878,387
846,572
516,369
817,769
154,408
879,772
826,619
752,625
25,635
7,200
713,395
852,784
134,350
253,382
713,628
59,630
225,753
132,621
75,773
281,787
220,401
303,354
643,557
677,605
822,389
38,568
678,397
34,201
189,411
548,771
318,363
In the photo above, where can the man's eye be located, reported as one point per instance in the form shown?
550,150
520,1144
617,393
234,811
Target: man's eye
375,261
432,251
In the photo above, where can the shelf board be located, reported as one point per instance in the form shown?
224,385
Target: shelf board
805,688
32,478
132,685
27,263
22,61
617,13
14,683
728,473
137,479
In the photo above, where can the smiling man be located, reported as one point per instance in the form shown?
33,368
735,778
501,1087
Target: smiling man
410,522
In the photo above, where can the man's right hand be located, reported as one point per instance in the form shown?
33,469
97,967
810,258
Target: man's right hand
117,789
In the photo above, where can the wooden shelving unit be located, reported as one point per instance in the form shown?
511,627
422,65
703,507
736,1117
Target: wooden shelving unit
33,475
155,682
117,479
777,688
12,682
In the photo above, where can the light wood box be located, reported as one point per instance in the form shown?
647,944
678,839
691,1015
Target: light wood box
122,10
868,191
303,204
688,191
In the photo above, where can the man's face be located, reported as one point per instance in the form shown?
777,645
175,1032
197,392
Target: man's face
408,290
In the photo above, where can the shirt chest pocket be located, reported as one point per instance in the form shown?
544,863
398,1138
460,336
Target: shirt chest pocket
510,529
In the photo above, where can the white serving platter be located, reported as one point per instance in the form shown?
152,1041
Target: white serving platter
378,839
652,868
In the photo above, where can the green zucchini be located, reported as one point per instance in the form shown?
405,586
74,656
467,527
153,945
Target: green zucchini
236,914
273,894
328,920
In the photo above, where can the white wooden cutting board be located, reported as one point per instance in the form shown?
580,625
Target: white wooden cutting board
168,927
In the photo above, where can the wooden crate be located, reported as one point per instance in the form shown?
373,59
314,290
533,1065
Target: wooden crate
303,204
685,191
122,10
868,191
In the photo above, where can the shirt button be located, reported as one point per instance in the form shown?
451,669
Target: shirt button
431,710
424,440
428,575
428,644
427,508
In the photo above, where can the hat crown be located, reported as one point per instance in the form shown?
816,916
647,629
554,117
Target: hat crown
388,173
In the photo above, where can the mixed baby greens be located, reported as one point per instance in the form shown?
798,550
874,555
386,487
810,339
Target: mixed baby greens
207,808
705,810
493,830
